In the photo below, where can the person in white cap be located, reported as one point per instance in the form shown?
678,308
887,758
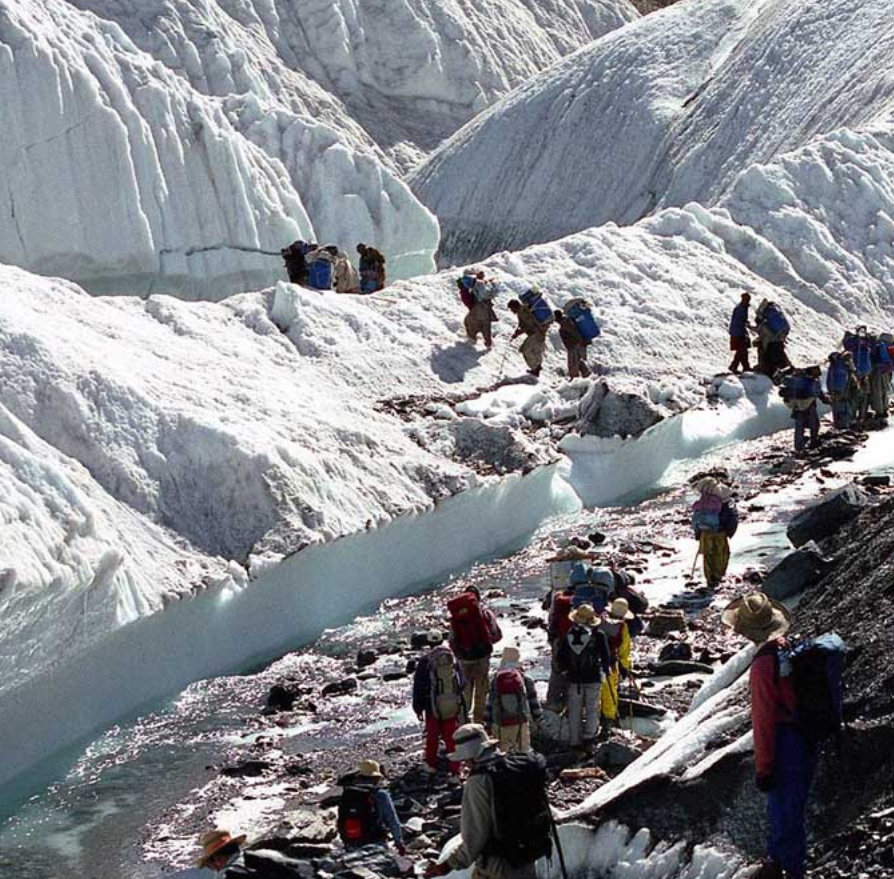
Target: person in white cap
784,761
505,822
512,704
584,658
615,627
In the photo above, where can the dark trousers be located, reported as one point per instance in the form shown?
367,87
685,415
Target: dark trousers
739,345
793,770
806,419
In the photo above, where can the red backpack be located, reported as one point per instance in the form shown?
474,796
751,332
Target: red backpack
511,703
472,633
560,623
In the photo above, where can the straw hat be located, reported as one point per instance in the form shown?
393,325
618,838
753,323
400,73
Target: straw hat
757,617
213,841
585,615
620,610
469,741
369,769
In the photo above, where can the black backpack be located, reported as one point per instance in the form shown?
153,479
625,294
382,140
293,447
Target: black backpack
816,667
358,818
521,808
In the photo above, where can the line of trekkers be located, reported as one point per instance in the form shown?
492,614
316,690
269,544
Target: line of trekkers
485,720
858,377
325,267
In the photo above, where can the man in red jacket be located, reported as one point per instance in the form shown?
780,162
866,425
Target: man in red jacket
784,760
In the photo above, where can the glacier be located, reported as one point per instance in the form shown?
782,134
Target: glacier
667,111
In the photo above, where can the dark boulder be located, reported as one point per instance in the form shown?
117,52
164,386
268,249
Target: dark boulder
280,698
365,658
823,519
797,571
340,688
675,650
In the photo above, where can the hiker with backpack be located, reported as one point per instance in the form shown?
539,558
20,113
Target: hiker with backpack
796,701
615,627
859,345
477,295
800,392
512,704
880,378
577,329
842,388
772,333
594,586
294,258
438,700
715,520
505,823
346,278
558,624
637,603
585,660
739,339
534,316
366,814
372,269
321,267
473,632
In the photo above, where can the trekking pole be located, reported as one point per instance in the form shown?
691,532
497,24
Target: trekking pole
552,824
695,561
503,360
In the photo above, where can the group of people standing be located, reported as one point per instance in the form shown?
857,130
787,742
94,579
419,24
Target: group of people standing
534,317
858,377
325,267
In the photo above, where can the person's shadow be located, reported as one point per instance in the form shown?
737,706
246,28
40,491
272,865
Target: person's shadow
451,364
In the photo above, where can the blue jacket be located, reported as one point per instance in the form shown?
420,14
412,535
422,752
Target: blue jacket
738,325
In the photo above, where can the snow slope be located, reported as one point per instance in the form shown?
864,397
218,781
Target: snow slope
664,112
116,172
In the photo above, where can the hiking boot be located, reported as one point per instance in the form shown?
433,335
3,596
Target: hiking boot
769,870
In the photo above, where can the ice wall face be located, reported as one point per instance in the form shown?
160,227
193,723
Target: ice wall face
666,111
118,173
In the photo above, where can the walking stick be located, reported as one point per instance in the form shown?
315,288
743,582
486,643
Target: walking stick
503,360
555,830
695,561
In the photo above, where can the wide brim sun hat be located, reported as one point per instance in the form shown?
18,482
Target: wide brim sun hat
757,617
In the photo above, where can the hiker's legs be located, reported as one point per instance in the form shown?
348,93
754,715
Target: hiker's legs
575,713
799,430
793,765
476,672
471,324
609,695
739,346
532,350
585,370
592,695
840,414
432,737
573,361
558,686
813,423
448,729
715,556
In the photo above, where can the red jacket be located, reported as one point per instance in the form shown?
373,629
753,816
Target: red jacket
772,702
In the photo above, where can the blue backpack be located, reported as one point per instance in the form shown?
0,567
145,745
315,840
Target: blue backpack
881,358
816,667
860,346
319,274
582,315
837,375
798,387
597,595
542,310
705,521
776,321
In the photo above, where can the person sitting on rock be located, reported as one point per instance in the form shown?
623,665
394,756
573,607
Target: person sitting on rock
222,852
366,813
512,704
438,700
295,262
714,521
615,628
585,661
784,760
372,269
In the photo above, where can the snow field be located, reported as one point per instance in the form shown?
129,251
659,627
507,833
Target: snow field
671,110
